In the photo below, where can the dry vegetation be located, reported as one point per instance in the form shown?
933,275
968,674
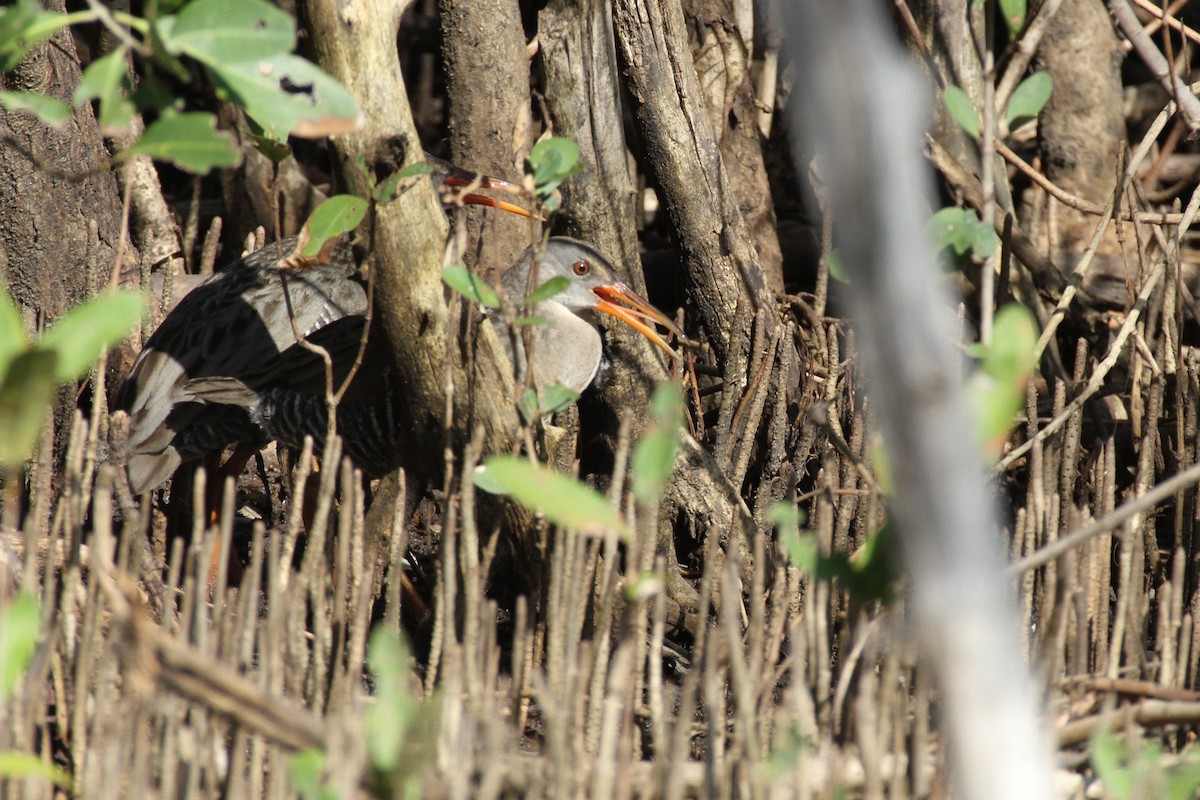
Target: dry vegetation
697,660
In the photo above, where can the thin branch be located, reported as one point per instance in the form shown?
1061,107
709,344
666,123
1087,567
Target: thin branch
1171,21
1127,21
1108,522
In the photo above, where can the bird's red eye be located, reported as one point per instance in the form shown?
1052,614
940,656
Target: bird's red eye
581,268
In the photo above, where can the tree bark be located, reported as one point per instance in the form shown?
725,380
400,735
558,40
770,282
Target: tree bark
491,128
1081,134
724,280
356,43
722,62
60,210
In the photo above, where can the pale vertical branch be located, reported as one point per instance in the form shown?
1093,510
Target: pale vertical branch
964,616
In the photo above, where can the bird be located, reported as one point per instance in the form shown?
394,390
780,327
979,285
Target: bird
565,347
234,324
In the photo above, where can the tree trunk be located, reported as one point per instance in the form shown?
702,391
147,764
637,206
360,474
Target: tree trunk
59,224
491,128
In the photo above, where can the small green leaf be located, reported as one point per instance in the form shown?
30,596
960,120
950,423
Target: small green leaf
785,756
654,457
961,230
20,626
785,516
556,397
190,141
338,215
387,191
1028,99
534,320
561,499
106,79
23,26
961,110
470,286
87,329
277,150
1111,759
996,391
528,405
949,228
1014,15
552,161
833,261
1012,356
645,586
393,713
50,110
555,286
306,772
18,764
25,396
218,32
12,331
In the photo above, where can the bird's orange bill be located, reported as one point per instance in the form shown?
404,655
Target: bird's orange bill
626,305
483,200
457,177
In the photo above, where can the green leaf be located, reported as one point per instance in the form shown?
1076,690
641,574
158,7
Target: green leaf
950,228
552,161
833,261
50,110
654,457
338,215
1012,356
528,405
219,32
20,626
18,764
1028,99
393,713
387,191
1110,758
785,516
1014,15
961,230
78,338
23,26
190,141
560,498
996,391
12,331
556,397
106,79
961,110
470,286
555,286
533,320
306,772
287,95
25,396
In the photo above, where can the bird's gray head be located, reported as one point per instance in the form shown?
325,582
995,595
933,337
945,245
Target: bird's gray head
592,285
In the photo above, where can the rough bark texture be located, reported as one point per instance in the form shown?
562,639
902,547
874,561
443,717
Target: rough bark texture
1081,133
491,129
58,236
723,68
725,280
